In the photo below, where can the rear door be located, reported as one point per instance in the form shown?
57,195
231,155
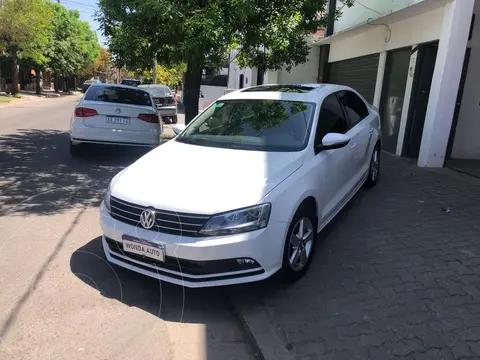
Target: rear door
360,120
119,108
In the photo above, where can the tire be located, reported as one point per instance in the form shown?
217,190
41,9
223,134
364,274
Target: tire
174,119
374,168
292,270
75,150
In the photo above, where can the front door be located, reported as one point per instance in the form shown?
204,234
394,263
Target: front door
334,169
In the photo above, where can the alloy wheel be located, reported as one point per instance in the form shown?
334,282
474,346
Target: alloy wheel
300,244
375,165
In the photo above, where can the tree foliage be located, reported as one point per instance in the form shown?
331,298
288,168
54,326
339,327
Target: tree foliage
73,44
169,76
269,34
25,28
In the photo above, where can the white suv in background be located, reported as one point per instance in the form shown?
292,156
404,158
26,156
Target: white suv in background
260,172
115,114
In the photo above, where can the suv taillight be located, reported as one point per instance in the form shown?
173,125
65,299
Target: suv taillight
150,118
171,102
85,112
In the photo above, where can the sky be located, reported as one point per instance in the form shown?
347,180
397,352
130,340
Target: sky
87,11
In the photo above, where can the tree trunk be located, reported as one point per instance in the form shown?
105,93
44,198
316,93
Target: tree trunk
260,76
55,81
38,87
13,53
191,89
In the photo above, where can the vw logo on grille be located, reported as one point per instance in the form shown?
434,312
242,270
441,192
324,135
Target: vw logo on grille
118,111
147,218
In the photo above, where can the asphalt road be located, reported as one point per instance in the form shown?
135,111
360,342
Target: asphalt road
59,298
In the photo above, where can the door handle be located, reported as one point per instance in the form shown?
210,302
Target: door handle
371,130
353,145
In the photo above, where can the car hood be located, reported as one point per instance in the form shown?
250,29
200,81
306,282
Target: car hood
203,180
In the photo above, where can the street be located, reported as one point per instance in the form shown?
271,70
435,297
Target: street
60,299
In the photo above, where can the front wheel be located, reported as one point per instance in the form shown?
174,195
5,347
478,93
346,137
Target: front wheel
374,169
299,244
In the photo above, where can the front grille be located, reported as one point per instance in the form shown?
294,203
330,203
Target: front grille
168,222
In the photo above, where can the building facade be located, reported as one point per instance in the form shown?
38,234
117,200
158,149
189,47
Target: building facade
416,61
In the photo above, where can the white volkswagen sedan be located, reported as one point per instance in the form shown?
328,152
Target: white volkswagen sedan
115,114
258,173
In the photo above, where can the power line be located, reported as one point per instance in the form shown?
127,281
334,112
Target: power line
367,7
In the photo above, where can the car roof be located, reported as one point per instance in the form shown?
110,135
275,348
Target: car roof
293,92
152,85
119,86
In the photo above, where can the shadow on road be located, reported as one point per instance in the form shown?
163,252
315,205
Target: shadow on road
38,174
171,303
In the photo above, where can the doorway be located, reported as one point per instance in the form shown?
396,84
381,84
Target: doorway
242,81
458,104
422,82
393,94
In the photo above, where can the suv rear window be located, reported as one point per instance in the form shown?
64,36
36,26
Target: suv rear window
114,94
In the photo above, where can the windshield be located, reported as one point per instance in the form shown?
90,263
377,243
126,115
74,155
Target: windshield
120,95
158,90
262,125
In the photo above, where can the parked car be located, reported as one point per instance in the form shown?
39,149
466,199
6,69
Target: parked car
115,114
164,100
261,171
130,82
88,83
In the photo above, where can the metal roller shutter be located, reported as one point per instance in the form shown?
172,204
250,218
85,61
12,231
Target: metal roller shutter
359,73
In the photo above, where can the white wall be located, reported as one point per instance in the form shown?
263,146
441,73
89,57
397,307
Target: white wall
210,93
367,9
370,39
467,136
236,71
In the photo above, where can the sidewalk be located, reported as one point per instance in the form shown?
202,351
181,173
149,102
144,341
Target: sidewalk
31,96
395,276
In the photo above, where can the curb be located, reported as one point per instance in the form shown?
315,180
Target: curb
260,330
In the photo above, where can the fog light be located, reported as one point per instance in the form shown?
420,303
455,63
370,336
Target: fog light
245,261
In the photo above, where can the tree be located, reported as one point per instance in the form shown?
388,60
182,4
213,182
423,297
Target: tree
73,45
25,27
169,76
103,62
269,34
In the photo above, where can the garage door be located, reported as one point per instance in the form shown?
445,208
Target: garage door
359,73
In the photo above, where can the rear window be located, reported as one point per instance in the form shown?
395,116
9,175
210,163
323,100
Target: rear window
158,90
113,94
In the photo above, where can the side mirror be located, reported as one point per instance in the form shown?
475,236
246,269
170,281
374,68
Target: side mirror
178,128
333,141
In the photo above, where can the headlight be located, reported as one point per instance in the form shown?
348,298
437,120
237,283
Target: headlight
238,221
106,198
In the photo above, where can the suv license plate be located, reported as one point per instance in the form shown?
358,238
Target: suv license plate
118,120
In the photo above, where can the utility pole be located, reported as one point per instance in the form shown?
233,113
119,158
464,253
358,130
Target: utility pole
154,70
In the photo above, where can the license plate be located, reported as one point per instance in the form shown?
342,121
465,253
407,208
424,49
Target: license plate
118,120
145,248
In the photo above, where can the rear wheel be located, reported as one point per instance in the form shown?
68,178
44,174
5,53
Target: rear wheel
374,169
75,150
174,119
299,244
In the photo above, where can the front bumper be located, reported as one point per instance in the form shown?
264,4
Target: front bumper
197,261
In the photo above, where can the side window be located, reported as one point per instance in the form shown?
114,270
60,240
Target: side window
331,119
354,107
